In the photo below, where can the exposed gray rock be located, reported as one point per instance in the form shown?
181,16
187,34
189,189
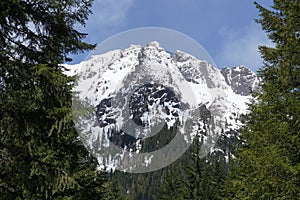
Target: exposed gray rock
241,79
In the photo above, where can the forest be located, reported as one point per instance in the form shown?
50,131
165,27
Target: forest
42,156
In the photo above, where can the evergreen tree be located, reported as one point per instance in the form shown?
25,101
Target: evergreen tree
193,177
173,183
204,176
41,156
195,171
269,159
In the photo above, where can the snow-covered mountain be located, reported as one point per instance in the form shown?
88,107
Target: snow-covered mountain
131,94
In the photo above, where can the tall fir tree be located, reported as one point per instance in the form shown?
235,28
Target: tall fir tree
173,183
269,160
41,156
193,177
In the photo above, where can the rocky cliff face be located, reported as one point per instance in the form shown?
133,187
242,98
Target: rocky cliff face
241,79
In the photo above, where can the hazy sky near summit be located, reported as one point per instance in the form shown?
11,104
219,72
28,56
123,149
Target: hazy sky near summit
225,28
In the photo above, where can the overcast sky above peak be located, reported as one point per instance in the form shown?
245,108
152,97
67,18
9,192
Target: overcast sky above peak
225,28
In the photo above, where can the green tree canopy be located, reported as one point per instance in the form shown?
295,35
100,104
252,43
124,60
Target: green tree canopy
35,31
41,155
269,160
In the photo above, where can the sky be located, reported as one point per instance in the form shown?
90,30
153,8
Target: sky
226,29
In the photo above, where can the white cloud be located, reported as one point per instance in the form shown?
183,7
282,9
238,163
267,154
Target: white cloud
109,17
109,13
242,49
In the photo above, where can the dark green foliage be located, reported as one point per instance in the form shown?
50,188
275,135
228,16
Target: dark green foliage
203,177
42,31
173,183
193,177
41,156
269,160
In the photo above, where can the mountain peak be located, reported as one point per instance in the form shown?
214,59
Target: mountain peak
181,56
153,44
